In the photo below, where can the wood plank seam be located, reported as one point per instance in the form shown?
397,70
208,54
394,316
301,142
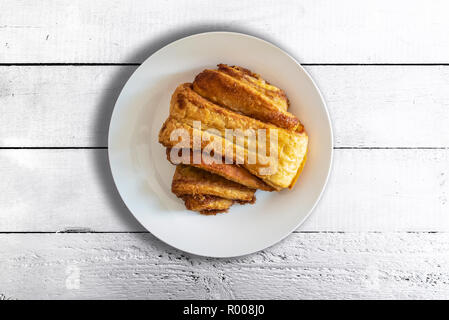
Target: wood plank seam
335,148
96,64
88,231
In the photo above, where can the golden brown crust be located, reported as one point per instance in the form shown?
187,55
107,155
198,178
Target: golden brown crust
278,96
231,172
188,180
298,173
212,212
211,205
232,97
187,107
206,203
228,91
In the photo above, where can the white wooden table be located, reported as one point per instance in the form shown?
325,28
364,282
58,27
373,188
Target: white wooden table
381,229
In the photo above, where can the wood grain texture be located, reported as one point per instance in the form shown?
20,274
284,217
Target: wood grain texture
369,190
58,106
384,187
370,106
123,31
304,266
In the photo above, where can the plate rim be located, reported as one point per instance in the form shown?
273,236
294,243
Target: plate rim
328,118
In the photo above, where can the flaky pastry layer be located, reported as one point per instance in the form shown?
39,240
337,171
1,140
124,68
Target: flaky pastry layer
187,106
242,91
188,180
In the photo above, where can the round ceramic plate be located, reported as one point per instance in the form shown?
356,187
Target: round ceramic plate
143,175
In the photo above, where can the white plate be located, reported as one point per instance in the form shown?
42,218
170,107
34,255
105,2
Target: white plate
143,175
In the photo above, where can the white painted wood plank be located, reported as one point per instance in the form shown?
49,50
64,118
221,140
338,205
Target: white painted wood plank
58,106
392,106
118,31
60,190
304,266
370,106
369,190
